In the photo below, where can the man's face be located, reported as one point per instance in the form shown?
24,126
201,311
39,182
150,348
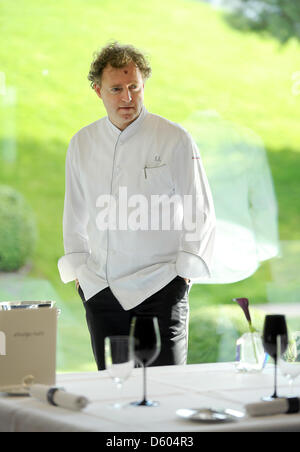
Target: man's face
122,92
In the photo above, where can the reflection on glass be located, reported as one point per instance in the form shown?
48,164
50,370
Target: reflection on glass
246,210
7,121
285,285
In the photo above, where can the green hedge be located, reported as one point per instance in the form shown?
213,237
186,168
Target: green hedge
214,330
17,230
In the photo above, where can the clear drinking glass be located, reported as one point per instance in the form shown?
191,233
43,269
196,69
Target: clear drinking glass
119,361
289,361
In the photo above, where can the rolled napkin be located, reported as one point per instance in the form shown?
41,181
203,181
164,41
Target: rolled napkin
58,397
281,405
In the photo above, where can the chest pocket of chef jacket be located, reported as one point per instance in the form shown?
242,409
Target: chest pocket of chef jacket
158,180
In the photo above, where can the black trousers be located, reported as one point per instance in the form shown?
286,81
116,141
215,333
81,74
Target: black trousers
106,317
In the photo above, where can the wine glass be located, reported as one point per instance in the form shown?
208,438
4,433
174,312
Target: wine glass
119,360
146,345
275,325
289,361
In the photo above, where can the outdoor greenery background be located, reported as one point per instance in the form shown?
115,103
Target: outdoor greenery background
199,62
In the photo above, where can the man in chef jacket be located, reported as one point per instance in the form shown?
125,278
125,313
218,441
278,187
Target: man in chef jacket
139,220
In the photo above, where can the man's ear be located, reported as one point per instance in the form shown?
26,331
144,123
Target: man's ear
97,90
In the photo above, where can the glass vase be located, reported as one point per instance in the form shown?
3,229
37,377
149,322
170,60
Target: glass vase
250,354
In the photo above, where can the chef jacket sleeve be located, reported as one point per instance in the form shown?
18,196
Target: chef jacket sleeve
199,222
75,220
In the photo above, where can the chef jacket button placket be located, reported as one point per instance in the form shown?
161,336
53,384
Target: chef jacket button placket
116,182
116,173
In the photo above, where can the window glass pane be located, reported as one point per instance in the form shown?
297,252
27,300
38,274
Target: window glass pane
237,92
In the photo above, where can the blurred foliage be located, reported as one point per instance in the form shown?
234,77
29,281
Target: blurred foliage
278,18
17,230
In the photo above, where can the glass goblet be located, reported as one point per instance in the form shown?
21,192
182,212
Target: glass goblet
274,326
146,345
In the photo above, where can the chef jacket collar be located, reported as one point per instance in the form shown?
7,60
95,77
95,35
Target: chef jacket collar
131,129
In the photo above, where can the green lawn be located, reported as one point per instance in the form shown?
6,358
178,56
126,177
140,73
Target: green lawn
198,63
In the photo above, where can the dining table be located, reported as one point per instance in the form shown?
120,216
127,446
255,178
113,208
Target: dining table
192,386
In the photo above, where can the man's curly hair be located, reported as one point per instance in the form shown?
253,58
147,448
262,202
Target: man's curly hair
117,56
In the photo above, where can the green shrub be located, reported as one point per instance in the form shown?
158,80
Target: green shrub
17,230
214,330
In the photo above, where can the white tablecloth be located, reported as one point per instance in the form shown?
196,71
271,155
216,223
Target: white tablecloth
203,385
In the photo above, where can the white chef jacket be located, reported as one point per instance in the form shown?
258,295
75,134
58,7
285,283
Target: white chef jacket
151,156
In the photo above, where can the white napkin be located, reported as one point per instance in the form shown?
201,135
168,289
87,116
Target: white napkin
276,406
59,397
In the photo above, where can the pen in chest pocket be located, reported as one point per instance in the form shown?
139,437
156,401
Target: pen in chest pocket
151,167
